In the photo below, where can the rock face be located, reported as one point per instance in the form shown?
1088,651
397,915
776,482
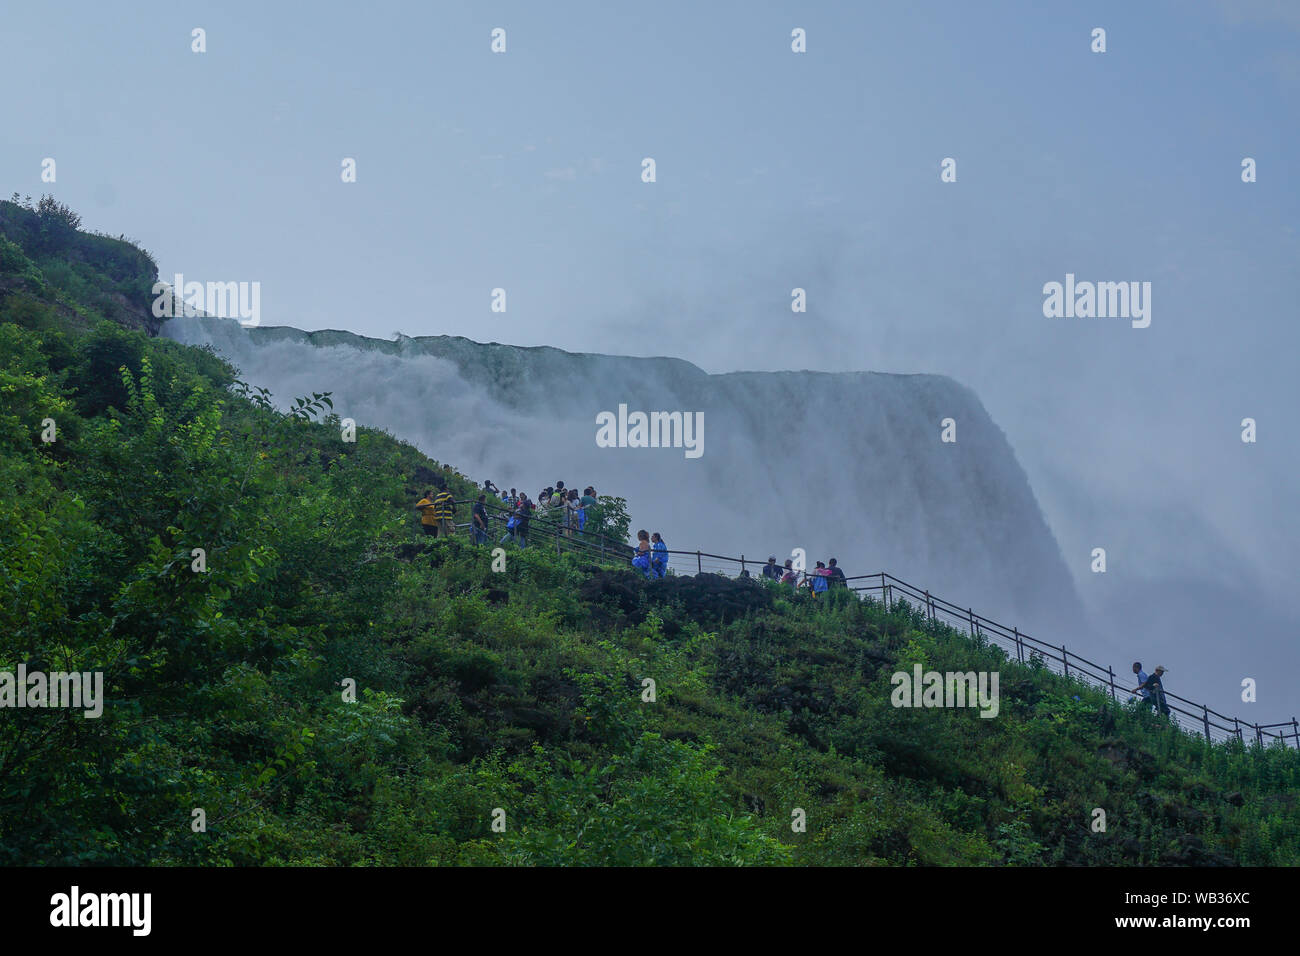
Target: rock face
846,465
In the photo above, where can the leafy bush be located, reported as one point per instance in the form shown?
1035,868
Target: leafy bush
283,648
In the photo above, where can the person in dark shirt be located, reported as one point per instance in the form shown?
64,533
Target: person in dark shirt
1155,689
479,520
836,575
770,570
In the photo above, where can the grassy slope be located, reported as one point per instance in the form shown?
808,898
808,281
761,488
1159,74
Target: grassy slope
518,690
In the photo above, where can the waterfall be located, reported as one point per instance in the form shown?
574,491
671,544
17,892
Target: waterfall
845,465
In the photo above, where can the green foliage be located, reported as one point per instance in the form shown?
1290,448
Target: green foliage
609,518
88,275
22,273
228,678
58,223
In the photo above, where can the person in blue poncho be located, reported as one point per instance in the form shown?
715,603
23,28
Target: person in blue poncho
641,559
659,559
820,578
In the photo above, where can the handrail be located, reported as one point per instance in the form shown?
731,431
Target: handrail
1072,665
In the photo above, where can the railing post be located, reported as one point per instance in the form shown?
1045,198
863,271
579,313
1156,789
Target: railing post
699,565
1236,729
1111,671
1295,731
1065,659
1206,717
971,612
742,565
1020,650
929,608
1259,736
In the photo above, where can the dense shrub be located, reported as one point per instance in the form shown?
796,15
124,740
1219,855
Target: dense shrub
332,687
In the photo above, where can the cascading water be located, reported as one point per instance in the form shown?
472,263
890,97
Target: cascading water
849,465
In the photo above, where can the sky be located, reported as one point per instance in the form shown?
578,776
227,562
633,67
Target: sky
775,170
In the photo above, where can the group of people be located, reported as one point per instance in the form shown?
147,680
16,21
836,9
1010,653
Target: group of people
566,506
651,555
820,579
438,511
1150,688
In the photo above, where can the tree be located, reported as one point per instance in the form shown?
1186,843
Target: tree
58,223
53,211
609,518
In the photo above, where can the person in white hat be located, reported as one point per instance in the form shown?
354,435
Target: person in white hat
1155,691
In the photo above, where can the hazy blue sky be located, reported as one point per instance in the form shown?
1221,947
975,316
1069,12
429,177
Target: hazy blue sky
819,170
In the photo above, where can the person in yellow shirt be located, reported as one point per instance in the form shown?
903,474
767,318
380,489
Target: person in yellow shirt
428,513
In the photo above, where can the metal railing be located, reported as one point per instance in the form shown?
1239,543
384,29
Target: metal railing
1190,716
1186,714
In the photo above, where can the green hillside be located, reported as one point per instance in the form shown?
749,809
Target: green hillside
518,690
